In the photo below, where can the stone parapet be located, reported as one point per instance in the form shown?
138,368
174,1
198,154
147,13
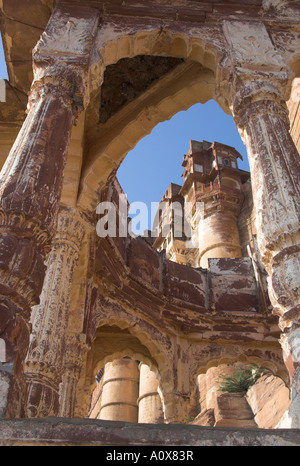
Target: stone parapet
93,432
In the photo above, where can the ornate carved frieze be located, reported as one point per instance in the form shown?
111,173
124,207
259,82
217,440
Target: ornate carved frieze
50,318
32,176
75,350
259,90
259,109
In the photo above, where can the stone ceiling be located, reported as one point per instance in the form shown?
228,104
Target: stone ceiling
129,78
22,23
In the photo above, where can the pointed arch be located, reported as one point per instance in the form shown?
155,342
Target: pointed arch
191,82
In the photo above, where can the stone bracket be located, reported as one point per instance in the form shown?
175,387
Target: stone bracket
251,58
63,51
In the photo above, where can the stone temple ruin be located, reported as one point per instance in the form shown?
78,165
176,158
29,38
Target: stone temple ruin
139,330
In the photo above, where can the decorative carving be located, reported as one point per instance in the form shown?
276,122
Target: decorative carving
251,45
182,318
45,355
75,349
275,168
32,176
258,92
261,115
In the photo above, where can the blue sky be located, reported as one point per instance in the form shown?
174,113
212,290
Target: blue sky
155,162
3,70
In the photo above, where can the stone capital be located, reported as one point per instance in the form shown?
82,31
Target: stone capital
253,71
70,230
68,36
60,83
75,347
258,97
61,56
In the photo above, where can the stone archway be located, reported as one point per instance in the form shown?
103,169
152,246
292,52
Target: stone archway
258,107
113,343
261,404
192,81
63,86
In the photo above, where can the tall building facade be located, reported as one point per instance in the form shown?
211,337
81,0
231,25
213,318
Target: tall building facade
200,219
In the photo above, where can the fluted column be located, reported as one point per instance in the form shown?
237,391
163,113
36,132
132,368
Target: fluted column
259,89
30,187
44,361
275,173
257,86
31,179
275,170
32,176
75,348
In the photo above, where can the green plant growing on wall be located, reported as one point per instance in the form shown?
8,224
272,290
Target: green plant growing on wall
240,381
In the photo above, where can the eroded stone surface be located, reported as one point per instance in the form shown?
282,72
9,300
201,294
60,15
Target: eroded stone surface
120,298
58,431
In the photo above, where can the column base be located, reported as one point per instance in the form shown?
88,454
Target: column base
42,396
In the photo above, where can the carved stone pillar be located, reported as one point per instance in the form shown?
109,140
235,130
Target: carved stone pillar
259,85
75,348
31,183
31,179
275,170
44,362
